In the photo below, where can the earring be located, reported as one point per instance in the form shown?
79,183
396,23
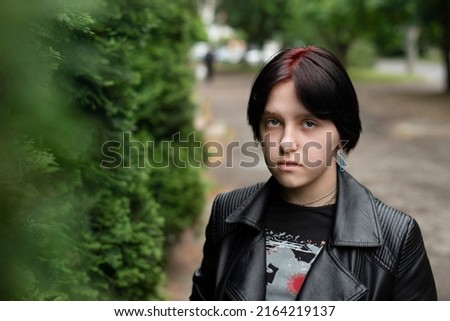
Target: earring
341,160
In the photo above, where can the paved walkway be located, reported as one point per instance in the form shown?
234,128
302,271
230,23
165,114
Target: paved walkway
403,157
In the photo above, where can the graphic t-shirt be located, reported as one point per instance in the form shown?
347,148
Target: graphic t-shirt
295,235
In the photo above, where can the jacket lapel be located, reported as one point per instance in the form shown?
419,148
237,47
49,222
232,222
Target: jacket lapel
247,282
330,280
247,278
356,226
356,223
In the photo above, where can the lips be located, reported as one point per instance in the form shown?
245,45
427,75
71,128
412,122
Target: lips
288,164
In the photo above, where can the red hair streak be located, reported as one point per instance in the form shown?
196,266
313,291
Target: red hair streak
297,54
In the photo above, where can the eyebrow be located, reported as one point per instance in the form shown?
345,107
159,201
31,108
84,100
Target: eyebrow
275,114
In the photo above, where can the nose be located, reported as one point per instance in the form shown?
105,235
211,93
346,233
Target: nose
288,147
288,143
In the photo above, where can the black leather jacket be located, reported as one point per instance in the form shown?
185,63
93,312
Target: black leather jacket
374,251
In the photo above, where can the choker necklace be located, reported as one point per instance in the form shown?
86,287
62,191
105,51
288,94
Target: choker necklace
321,198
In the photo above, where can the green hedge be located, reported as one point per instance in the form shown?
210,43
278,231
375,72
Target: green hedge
74,76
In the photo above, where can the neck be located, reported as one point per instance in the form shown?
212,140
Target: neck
314,194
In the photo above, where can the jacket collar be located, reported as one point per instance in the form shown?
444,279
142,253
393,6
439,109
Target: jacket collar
251,212
356,222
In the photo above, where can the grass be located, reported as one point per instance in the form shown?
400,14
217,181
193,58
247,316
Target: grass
368,75
357,74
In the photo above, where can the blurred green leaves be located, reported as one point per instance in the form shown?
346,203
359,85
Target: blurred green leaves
72,76
337,24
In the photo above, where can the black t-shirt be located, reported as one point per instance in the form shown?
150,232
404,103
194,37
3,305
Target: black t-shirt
295,235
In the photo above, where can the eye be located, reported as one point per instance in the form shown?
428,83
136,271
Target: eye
272,122
309,124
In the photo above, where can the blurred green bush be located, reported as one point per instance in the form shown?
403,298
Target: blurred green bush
362,53
74,75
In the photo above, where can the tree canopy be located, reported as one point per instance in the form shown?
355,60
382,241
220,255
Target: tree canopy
337,24
258,20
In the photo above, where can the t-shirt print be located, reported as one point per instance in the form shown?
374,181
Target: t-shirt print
288,260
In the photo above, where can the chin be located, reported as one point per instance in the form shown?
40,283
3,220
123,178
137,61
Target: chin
302,179
290,182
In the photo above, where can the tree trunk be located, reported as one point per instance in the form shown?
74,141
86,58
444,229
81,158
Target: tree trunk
411,47
446,42
446,52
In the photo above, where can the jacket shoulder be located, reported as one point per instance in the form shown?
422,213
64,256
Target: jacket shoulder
401,235
229,201
226,203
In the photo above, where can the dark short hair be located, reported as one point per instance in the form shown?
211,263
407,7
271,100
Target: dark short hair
322,86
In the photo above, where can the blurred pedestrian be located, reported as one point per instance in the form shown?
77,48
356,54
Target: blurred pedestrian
209,61
311,232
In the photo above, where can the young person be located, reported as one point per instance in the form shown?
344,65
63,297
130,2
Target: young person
312,232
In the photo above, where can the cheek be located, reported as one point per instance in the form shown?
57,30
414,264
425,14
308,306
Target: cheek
321,148
314,154
269,138
269,147
332,141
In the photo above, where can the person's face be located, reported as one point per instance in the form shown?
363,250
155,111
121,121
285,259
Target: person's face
299,149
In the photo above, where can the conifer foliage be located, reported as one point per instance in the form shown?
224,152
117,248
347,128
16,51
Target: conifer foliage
75,75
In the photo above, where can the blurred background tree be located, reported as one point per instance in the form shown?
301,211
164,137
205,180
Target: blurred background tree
258,21
74,76
351,29
434,18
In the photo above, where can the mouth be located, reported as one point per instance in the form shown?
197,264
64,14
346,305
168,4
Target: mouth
288,164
